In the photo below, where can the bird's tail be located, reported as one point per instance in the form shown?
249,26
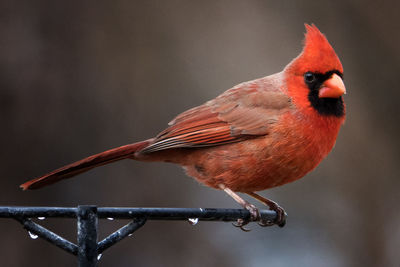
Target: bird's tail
86,164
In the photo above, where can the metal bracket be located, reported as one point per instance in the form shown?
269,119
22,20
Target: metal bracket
88,249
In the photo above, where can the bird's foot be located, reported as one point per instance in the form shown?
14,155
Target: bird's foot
280,219
280,214
254,216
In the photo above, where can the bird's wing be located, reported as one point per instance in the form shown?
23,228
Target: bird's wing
245,111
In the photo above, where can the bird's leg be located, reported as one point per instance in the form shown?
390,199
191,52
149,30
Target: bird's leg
254,213
280,212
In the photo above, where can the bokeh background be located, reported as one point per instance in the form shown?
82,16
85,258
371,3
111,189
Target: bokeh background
79,77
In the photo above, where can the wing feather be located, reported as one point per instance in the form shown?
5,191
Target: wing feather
245,111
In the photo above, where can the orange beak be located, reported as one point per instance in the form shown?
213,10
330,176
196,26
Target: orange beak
332,88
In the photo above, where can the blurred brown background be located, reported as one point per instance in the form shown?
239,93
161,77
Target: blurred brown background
79,77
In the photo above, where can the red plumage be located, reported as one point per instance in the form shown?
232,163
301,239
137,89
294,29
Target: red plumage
257,135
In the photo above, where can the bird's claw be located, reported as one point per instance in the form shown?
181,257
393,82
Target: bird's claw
280,214
240,223
265,223
254,216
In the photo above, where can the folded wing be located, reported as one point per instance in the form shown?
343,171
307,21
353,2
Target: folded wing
245,111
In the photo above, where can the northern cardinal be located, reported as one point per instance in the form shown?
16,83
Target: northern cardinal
256,135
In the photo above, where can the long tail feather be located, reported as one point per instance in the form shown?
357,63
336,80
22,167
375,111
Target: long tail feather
86,164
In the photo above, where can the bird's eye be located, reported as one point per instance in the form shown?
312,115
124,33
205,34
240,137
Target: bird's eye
309,78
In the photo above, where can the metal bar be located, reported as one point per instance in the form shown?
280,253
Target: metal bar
33,212
88,249
120,234
48,235
205,214
87,236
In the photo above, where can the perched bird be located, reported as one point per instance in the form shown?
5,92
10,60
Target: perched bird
256,135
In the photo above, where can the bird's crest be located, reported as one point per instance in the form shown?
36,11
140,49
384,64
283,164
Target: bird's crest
317,55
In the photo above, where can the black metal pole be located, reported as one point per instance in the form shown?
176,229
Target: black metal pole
48,235
120,234
87,236
204,214
88,248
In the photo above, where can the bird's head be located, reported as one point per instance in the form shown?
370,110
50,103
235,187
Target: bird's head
315,77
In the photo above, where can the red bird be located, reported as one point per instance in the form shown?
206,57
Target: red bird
256,135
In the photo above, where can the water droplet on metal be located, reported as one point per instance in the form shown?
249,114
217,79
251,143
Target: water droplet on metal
110,219
32,235
41,218
193,221
99,256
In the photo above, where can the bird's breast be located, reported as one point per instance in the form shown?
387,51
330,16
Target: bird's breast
290,150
